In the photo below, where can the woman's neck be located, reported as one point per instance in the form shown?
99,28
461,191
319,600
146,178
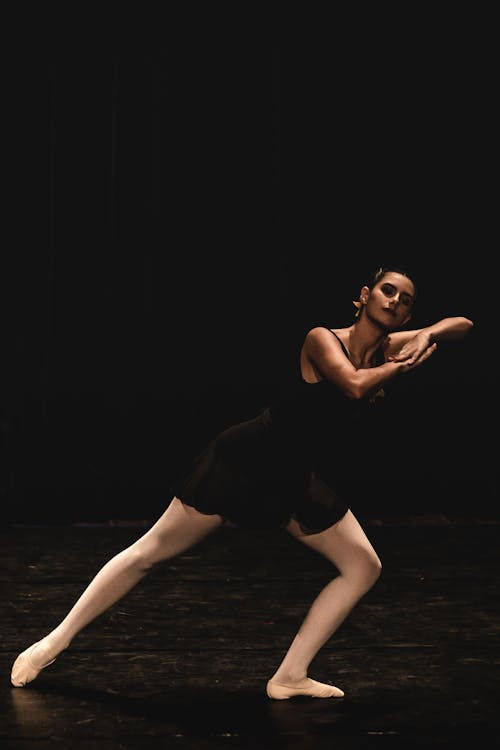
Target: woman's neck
363,339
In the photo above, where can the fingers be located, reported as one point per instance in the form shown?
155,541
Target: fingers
403,355
414,357
417,359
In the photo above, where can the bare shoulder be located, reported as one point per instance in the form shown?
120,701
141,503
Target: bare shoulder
321,334
322,338
317,332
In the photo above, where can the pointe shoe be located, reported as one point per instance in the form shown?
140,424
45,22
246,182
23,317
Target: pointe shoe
23,669
311,689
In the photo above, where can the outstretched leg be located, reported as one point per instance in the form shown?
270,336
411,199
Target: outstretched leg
347,547
178,529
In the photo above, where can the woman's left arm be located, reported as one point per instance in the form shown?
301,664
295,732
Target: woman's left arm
410,345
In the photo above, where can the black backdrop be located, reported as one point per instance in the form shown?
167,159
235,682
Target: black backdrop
179,215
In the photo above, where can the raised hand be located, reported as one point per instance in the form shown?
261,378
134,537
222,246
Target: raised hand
414,351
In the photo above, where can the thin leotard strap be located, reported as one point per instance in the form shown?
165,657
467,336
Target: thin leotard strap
340,342
378,353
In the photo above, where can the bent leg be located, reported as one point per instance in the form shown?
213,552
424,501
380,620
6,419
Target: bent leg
346,546
178,529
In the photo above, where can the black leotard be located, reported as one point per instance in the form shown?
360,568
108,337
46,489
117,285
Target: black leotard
261,472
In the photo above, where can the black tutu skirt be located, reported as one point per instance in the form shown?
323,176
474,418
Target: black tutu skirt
255,478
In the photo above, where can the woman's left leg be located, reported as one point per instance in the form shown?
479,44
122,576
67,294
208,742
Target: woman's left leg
346,546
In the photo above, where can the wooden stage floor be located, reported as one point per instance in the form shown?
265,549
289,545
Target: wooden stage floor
183,659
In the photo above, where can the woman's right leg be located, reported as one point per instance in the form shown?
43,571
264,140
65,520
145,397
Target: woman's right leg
178,529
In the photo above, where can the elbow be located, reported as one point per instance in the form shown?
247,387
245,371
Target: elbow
349,390
355,389
354,392
458,326
463,322
465,326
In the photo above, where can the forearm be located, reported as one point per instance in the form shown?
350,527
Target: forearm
369,380
426,339
447,329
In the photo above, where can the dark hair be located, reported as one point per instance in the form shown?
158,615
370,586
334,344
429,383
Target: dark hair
381,272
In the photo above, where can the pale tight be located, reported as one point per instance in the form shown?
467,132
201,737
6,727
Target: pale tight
346,546
178,529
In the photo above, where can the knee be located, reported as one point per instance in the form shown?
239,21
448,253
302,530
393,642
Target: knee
367,570
374,568
144,557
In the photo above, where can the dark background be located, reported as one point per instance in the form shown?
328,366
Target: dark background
180,212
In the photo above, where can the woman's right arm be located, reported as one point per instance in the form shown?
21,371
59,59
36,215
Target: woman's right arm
326,355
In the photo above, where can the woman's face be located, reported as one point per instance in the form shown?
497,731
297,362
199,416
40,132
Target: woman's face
390,301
